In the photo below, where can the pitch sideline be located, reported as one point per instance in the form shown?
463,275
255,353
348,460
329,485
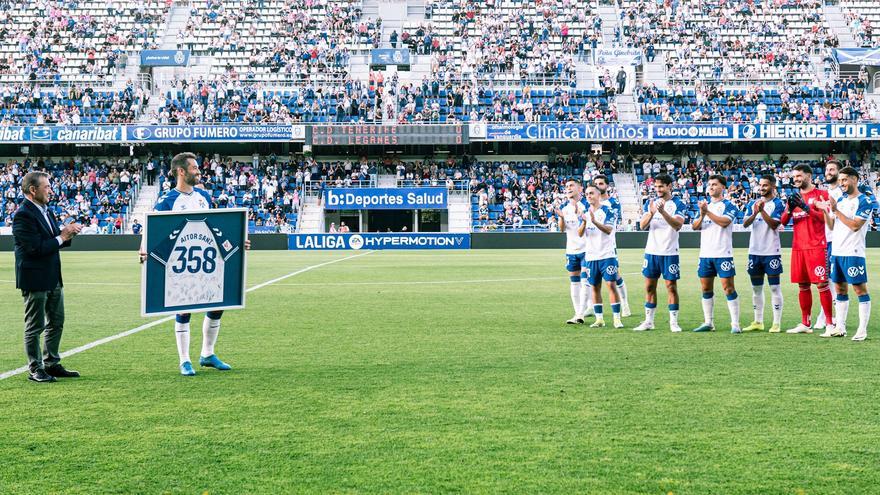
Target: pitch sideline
90,345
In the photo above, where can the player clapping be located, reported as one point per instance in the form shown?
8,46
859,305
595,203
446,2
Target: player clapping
600,255
765,252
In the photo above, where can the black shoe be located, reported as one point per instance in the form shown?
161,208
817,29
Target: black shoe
41,376
58,371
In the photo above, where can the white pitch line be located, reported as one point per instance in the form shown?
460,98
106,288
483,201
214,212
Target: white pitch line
160,321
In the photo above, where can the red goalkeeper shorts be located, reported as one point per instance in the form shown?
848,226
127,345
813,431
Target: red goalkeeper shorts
809,266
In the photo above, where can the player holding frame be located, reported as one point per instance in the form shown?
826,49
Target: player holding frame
808,246
569,218
601,182
187,196
663,218
600,255
765,252
848,220
716,253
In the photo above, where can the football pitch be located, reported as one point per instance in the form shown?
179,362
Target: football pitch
435,372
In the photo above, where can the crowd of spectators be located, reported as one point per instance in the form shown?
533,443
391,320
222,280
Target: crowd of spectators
94,192
69,105
861,28
93,45
310,39
438,100
843,100
224,100
744,39
533,40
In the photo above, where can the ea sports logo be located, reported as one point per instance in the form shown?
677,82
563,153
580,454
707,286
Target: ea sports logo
774,263
611,270
356,241
673,268
819,271
727,265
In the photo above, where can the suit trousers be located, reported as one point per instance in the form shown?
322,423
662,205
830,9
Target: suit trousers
43,315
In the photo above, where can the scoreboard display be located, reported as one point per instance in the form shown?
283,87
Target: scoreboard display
384,135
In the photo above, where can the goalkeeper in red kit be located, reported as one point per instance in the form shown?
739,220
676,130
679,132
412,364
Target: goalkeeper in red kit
808,257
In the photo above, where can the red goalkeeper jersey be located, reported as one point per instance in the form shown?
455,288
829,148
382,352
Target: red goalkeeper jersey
809,228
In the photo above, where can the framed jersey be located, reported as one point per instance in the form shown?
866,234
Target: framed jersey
195,261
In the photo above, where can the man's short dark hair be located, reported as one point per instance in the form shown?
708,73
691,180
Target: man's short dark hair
573,180
32,179
834,161
664,179
803,168
720,178
601,176
769,178
181,161
850,172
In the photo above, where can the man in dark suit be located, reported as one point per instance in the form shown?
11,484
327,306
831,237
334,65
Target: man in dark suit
38,240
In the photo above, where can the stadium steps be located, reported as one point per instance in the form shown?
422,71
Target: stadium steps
586,76
655,72
146,200
459,213
628,195
177,18
311,221
626,108
837,23
610,22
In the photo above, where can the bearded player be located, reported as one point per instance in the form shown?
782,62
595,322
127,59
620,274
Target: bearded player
832,173
808,248
186,196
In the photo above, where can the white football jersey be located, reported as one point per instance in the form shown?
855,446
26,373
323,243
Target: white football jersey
845,242
717,241
835,193
764,241
571,214
194,256
599,245
174,200
663,239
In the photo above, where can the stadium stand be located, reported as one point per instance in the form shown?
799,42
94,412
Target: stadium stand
80,41
277,41
507,41
861,17
842,101
69,105
729,40
94,192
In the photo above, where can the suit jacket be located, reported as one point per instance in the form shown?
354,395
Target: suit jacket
37,262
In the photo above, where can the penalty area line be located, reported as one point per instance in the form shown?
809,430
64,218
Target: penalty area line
111,338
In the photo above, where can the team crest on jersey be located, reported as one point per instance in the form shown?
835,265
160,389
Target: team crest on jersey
673,268
855,271
774,263
727,265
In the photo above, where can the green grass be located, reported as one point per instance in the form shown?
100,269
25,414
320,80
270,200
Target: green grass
351,378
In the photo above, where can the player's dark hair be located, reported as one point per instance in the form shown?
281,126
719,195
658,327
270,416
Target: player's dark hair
573,180
663,178
181,161
850,172
834,161
803,168
720,178
601,176
769,178
32,179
